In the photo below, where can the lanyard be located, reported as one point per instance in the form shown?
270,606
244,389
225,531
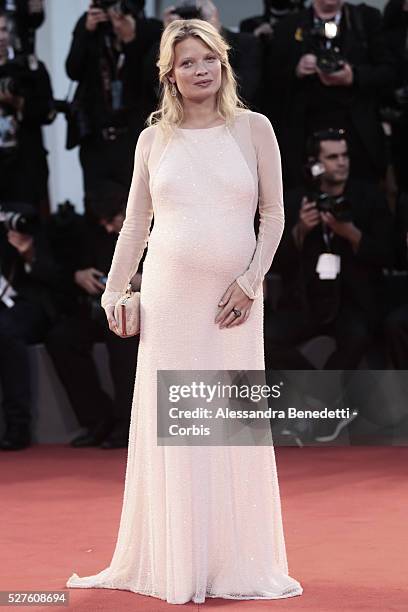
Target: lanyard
327,237
116,65
110,69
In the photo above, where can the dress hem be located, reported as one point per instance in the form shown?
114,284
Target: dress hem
294,592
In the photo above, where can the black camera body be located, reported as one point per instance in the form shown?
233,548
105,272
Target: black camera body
323,41
126,7
338,206
188,11
14,220
14,85
275,10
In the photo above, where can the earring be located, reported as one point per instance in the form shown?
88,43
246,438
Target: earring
173,90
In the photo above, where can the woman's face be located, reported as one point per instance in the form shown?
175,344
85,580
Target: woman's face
196,70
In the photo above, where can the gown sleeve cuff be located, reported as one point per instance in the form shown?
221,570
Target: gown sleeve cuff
247,289
109,298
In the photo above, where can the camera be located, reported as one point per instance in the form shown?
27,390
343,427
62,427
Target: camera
324,43
338,206
17,221
105,5
401,96
277,9
188,11
10,86
126,7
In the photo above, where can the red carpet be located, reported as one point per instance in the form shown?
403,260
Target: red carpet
344,510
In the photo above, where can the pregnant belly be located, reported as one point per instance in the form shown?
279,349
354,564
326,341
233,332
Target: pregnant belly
201,248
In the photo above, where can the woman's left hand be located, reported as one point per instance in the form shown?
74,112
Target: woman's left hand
234,297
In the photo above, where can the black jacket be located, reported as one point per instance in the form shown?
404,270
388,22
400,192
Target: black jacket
359,284
43,284
83,65
246,60
78,244
24,172
363,46
395,29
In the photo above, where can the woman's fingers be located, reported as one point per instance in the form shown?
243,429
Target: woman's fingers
229,319
223,312
225,304
109,311
112,325
239,320
232,320
224,299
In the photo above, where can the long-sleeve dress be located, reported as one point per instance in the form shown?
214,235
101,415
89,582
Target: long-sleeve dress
198,521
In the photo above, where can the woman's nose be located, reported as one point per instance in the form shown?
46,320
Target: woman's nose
201,68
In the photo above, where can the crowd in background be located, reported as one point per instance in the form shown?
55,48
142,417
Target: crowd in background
332,78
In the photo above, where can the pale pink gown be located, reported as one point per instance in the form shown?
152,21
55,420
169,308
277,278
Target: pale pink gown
203,521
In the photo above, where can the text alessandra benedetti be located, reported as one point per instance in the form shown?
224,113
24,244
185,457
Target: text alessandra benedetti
268,413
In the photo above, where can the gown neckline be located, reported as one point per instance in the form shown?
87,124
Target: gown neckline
214,127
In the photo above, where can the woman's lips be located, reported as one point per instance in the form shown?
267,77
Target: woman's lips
204,83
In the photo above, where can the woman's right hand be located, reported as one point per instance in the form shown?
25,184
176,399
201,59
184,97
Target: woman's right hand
109,300
110,315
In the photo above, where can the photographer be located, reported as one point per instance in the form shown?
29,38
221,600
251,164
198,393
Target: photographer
330,64
106,55
30,298
86,259
26,103
337,238
26,17
262,26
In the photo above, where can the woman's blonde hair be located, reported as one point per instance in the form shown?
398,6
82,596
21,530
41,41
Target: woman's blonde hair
170,111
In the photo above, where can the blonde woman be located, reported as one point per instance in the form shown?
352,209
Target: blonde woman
199,521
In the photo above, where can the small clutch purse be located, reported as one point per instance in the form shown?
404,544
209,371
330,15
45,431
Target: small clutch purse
127,313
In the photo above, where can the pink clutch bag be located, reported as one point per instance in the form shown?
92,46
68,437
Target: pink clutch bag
127,313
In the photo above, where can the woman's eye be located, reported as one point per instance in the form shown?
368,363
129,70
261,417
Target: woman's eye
211,58
186,63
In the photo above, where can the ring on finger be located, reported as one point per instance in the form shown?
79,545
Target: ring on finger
241,318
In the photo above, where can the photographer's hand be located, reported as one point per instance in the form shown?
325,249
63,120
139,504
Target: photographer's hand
308,219
23,243
94,17
341,78
263,29
306,65
124,26
88,280
345,229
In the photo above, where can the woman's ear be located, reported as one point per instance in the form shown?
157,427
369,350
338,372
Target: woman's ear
172,80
